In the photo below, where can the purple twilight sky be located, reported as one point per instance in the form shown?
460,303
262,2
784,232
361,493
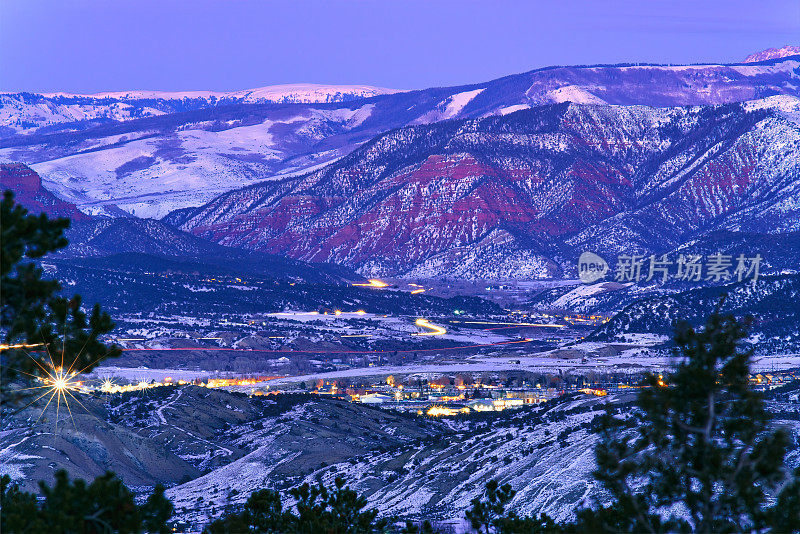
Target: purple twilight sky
106,45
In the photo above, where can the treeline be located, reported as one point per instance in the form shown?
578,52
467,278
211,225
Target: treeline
105,505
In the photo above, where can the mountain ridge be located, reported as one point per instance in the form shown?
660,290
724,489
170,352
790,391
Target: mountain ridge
773,53
112,237
525,192
151,165
301,93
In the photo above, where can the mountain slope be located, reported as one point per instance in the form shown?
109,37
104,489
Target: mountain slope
40,439
773,53
521,195
29,192
153,243
407,466
191,149
160,242
771,301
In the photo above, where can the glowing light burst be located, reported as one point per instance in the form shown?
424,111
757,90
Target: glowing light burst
108,386
61,385
57,382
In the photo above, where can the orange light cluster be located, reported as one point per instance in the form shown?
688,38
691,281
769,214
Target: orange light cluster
224,382
439,411
592,391
109,386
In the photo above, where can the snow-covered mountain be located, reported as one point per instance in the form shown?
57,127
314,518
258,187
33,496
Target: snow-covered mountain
152,166
166,163
286,93
122,237
520,195
27,112
772,301
773,53
150,153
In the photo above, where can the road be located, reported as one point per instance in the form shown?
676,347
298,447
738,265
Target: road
160,411
287,351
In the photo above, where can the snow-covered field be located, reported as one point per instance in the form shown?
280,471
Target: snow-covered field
581,295
449,108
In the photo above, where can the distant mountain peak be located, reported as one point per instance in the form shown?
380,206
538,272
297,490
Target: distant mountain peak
773,53
306,93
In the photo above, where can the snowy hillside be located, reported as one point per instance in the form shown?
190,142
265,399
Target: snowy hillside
149,174
25,112
521,195
150,152
773,53
771,300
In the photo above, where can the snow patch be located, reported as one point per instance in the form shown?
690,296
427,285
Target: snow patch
573,93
